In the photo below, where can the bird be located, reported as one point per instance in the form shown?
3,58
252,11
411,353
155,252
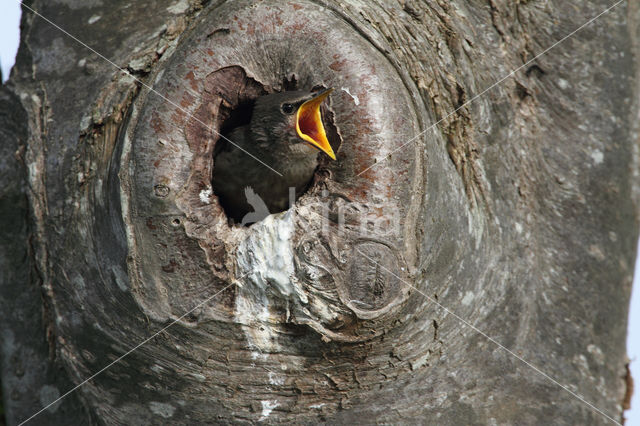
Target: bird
285,132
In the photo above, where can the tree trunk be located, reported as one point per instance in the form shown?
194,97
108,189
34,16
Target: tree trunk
467,259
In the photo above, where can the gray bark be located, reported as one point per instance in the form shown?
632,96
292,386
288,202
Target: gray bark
517,213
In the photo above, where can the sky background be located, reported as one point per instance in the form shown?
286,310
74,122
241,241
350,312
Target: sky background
9,39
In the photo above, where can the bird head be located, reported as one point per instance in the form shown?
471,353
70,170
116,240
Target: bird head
292,118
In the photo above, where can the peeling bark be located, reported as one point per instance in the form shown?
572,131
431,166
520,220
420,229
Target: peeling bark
516,212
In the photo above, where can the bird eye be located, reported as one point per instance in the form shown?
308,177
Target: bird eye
287,108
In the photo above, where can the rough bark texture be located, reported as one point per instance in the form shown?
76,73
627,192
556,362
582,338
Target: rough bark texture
516,213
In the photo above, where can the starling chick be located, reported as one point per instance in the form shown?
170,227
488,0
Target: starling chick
286,133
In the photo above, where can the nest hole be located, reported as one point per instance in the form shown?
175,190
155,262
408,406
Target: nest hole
237,93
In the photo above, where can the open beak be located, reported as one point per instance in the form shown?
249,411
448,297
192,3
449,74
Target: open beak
309,123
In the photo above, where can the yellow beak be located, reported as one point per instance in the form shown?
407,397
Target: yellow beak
309,124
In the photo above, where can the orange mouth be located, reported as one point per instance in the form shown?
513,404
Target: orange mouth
309,124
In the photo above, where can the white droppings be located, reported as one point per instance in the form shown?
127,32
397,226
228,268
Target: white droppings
562,83
179,7
265,260
82,62
518,228
317,406
354,97
468,298
252,311
275,379
266,255
269,293
162,409
267,408
205,194
597,156
49,394
94,19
